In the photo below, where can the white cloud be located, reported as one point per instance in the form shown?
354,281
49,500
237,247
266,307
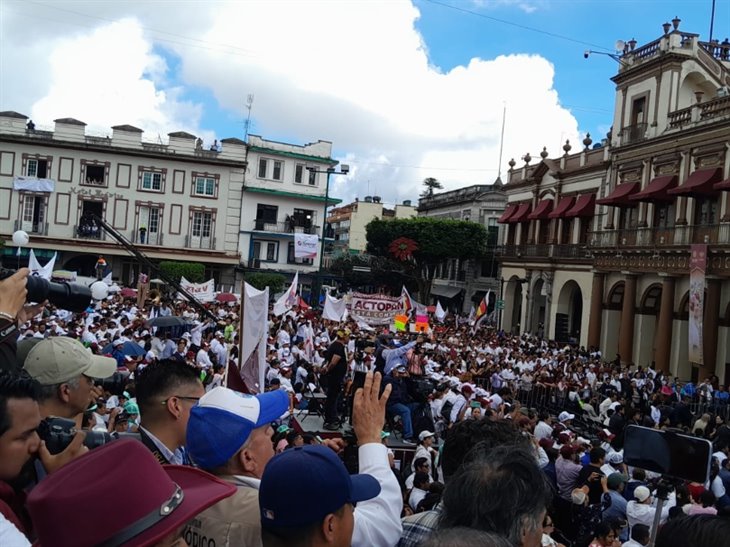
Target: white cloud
355,73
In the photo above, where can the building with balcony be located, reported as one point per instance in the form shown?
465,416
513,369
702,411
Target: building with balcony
283,194
348,222
460,283
659,187
175,200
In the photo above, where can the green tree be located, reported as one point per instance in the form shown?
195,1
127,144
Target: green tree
261,280
431,184
192,271
436,240
385,273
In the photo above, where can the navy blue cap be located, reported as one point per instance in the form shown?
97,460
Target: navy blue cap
313,473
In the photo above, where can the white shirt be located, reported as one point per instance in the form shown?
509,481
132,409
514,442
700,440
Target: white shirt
415,498
377,521
641,513
543,431
202,359
10,536
632,543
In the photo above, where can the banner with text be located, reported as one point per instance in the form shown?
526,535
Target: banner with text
697,266
305,245
375,309
205,292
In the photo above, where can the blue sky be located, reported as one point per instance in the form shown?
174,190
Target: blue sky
352,72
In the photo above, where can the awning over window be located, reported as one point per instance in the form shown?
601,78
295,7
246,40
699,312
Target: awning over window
699,183
508,212
724,185
620,195
523,211
563,206
585,206
542,210
657,189
446,291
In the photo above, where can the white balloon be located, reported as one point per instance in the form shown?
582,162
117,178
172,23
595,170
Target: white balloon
99,290
20,238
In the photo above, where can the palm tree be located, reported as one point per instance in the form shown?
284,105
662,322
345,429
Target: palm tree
431,183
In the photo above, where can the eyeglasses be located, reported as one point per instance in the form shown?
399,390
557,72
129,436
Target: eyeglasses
196,399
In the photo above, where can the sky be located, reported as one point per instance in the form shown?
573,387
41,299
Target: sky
404,89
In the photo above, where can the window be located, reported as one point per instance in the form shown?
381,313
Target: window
271,252
263,165
299,173
312,178
663,215
266,214
302,218
292,260
256,254
151,181
201,224
638,111
36,168
34,212
492,221
277,170
95,174
705,211
204,186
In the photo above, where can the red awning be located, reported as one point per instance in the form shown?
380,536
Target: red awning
542,210
724,185
522,213
585,206
508,212
699,183
656,190
620,195
564,205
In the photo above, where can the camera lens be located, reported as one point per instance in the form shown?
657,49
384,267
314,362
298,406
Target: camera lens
67,296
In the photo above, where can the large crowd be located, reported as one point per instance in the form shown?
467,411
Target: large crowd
114,431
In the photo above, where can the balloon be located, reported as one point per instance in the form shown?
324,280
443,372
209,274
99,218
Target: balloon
99,290
20,238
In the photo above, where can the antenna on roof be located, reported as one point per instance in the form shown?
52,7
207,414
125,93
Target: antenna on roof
247,125
501,145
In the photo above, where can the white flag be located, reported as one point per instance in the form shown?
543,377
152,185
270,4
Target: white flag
41,271
440,313
334,309
253,356
288,299
472,314
108,279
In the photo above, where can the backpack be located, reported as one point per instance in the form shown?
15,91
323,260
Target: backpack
446,411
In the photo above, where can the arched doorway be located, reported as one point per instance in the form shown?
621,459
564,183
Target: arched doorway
539,307
83,264
680,340
512,313
569,316
646,321
611,320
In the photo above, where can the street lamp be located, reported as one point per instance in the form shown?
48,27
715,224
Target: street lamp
344,170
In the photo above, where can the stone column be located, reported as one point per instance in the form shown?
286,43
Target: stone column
626,329
594,322
709,328
664,326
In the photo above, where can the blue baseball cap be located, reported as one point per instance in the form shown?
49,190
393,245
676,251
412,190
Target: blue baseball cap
298,472
223,419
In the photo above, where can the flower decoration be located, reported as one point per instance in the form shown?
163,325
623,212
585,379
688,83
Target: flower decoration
403,248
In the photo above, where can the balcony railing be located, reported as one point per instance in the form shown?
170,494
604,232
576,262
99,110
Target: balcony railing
716,108
633,133
37,228
149,238
674,236
680,118
197,242
87,231
283,227
545,251
720,51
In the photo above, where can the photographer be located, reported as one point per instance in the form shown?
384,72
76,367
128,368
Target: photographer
12,301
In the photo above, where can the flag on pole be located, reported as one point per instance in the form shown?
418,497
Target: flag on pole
288,299
472,314
108,279
481,313
41,271
440,312
406,301
251,367
334,309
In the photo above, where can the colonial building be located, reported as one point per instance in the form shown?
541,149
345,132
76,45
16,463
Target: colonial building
175,200
284,193
348,222
459,283
660,186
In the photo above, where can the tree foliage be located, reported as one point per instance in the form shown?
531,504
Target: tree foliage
261,280
385,273
431,184
192,271
437,240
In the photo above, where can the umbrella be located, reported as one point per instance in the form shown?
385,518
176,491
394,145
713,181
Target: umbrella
132,349
128,293
166,321
226,297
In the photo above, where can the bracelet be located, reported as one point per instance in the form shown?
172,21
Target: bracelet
7,316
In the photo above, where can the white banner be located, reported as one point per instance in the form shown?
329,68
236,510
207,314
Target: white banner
41,271
289,299
205,292
255,323
305,245
375,309
334,309
32,184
